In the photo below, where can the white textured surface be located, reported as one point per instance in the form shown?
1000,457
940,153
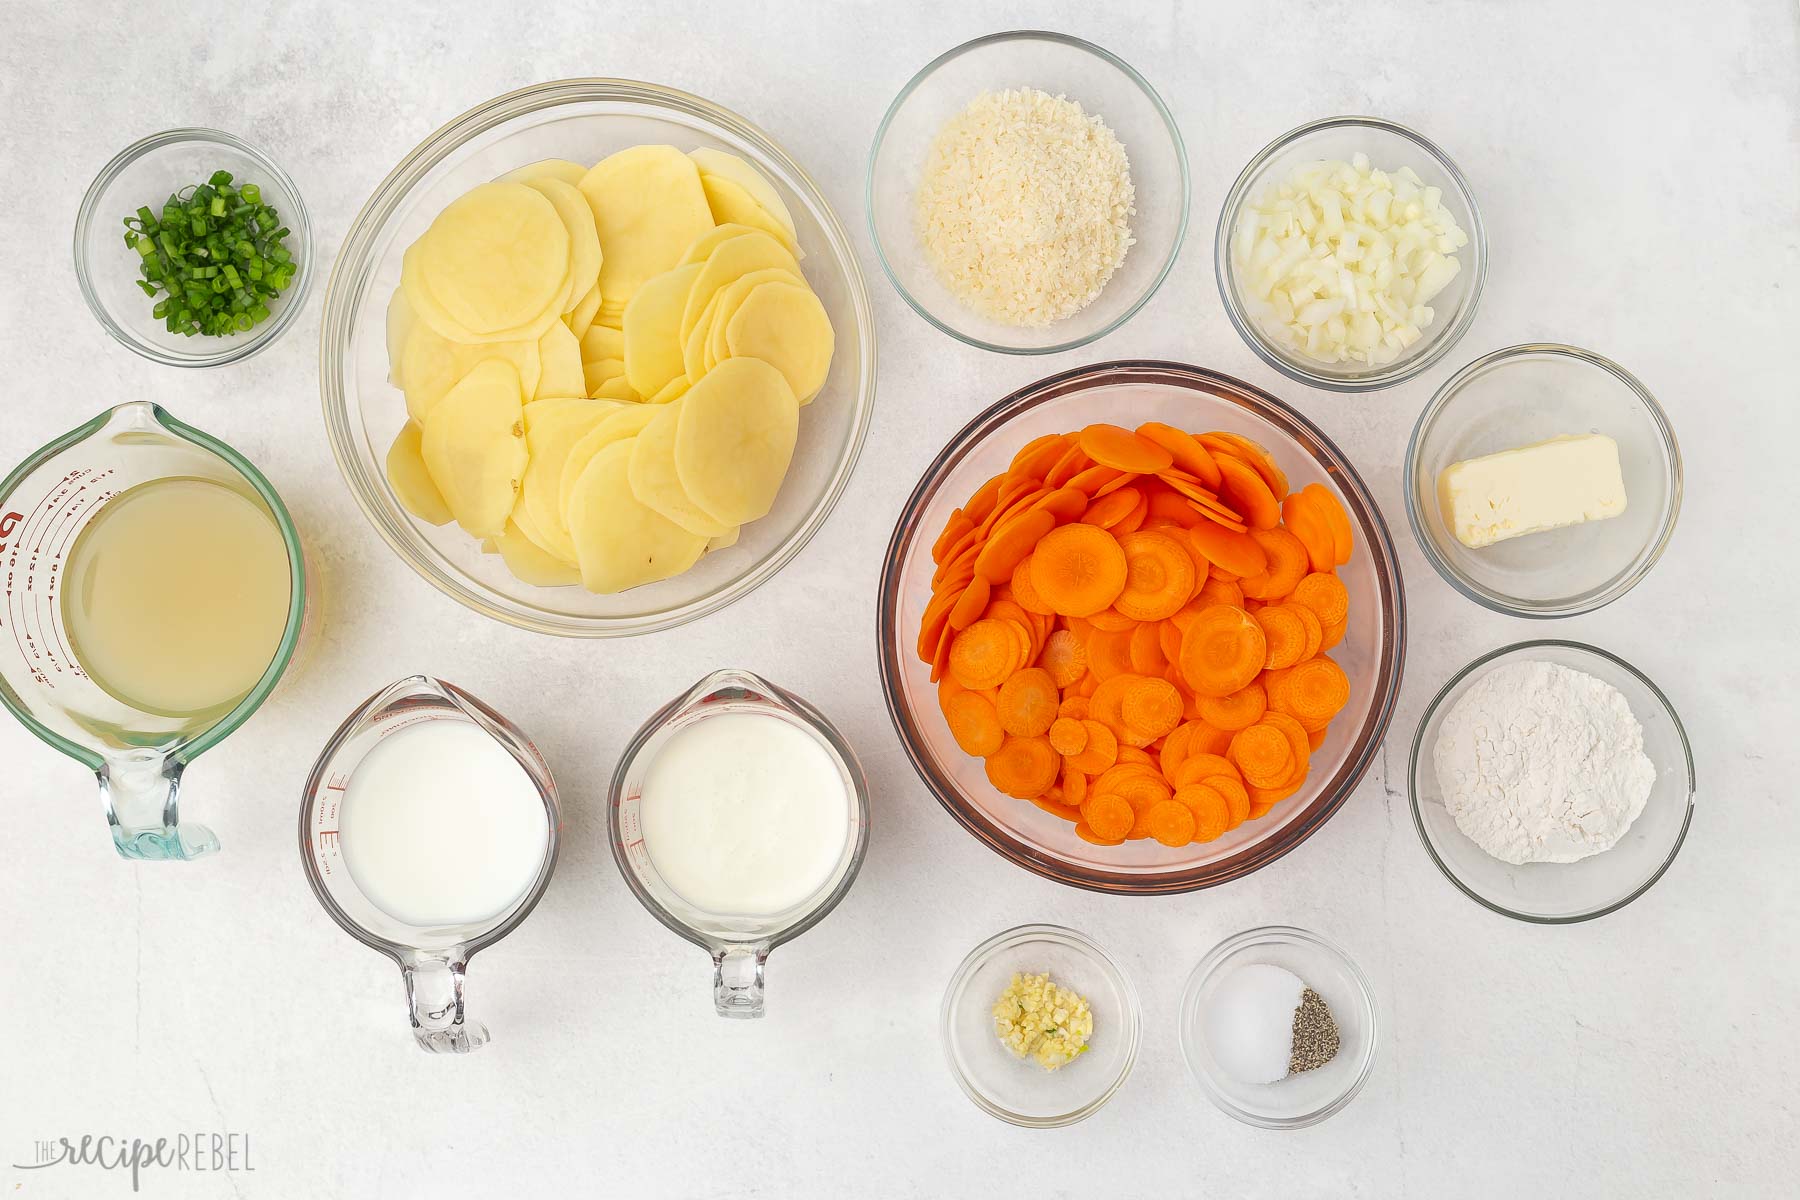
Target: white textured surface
1638,173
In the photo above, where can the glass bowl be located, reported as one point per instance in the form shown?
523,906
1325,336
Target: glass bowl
1525,394
1129,393
1017,1090
1311,1096
1389,147
1562,893
146,173
1106,87
582,119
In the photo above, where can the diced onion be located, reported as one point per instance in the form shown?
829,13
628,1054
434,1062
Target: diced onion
1340,261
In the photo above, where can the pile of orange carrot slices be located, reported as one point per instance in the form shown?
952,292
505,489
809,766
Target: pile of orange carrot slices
1131,626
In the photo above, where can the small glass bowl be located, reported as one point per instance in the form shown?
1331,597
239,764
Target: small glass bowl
1562,893
1311,1096
1525,394
1017,1090
1105,86
1389,146
145,173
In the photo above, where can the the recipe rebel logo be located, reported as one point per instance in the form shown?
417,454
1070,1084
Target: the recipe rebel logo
138,1158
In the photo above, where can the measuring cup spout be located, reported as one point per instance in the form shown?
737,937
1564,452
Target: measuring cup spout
738,980
139,792
434,992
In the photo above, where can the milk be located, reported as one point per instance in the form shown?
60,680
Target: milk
744,814
442,826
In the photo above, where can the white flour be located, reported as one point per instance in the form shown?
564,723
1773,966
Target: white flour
1541,763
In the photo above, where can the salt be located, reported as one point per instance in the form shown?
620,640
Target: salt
1249,1023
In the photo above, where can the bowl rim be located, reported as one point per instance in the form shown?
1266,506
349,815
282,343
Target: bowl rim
395,528
293,300
1169,124
890,645
1403,368
1262,936
1652,551
1412,774
1132,1015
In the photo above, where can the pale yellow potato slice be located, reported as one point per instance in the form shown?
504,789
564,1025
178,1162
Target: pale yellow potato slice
529,562
735,439
400,322
432,365
726,305
570,173
693,346
724,541
410,480
474,446
740,171
673,390
620,541
552,427
618,388
584,240
653,352
624,423
597,375
729,261
732,204
522,520
787,328
582,315
649,207
654,480
709,241
559,364
427,309
602,342
495,258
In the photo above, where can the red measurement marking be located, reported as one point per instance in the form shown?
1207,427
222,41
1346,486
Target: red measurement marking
328,838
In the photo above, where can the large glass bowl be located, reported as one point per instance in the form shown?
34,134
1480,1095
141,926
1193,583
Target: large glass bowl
583,120
1129,393
1105,86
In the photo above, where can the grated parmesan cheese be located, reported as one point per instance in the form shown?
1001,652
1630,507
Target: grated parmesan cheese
1025,206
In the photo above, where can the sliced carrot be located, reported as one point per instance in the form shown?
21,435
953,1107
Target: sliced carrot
1222,651
1237,553
1246,492
1256,810
1175,747
1252,452
1333,635
1065,503
954,529
1185,449
1316,737
1067,736
1012,490
1325,594
1024,592
1208,506
1073,461
1262,755
1055,802
1039,455
1208,738
1028,701
1237,797
1317,690
1147,657
1133,755
1315,632
983,501
1210,813
1343,539
1150,709
933,622
1288,563
1108,815
1011,541
1074,786
1124,450
1170,823
1300,513
1108,704
1024,767
1078,569
1221,591
1298,744
1109,653
984,654
1075,707
1159,576
1168,640
1112,508
1199,767
1284,635
1134,520
1112,621
1064,657
1240,710
1172,508
1101,751
971,604
1098,476
940,654
973,723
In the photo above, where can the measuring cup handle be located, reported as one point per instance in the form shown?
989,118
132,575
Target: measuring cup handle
434,993
139,793
738,981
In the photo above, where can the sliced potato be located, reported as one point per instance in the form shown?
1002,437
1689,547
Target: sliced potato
598,374
602,341
693,346
474,446
649,207
732,204
529,562
620,541
726,304
709,241
430,312
735,439
550,433
584,240
654,480
729,261
559,364
652,329
582,315
787,328
723,165
724,541
400,322
495,258
432,365
618,388
673,390
411,481
570,173
622,423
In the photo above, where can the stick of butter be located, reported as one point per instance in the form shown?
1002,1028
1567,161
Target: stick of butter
1564,481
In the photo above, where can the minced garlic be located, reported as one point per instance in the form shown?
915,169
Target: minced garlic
1036,1019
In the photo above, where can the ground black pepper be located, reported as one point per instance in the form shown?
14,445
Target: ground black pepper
1315,1034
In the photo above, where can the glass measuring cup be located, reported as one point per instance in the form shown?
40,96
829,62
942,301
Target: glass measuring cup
739,945
432,959
137,755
